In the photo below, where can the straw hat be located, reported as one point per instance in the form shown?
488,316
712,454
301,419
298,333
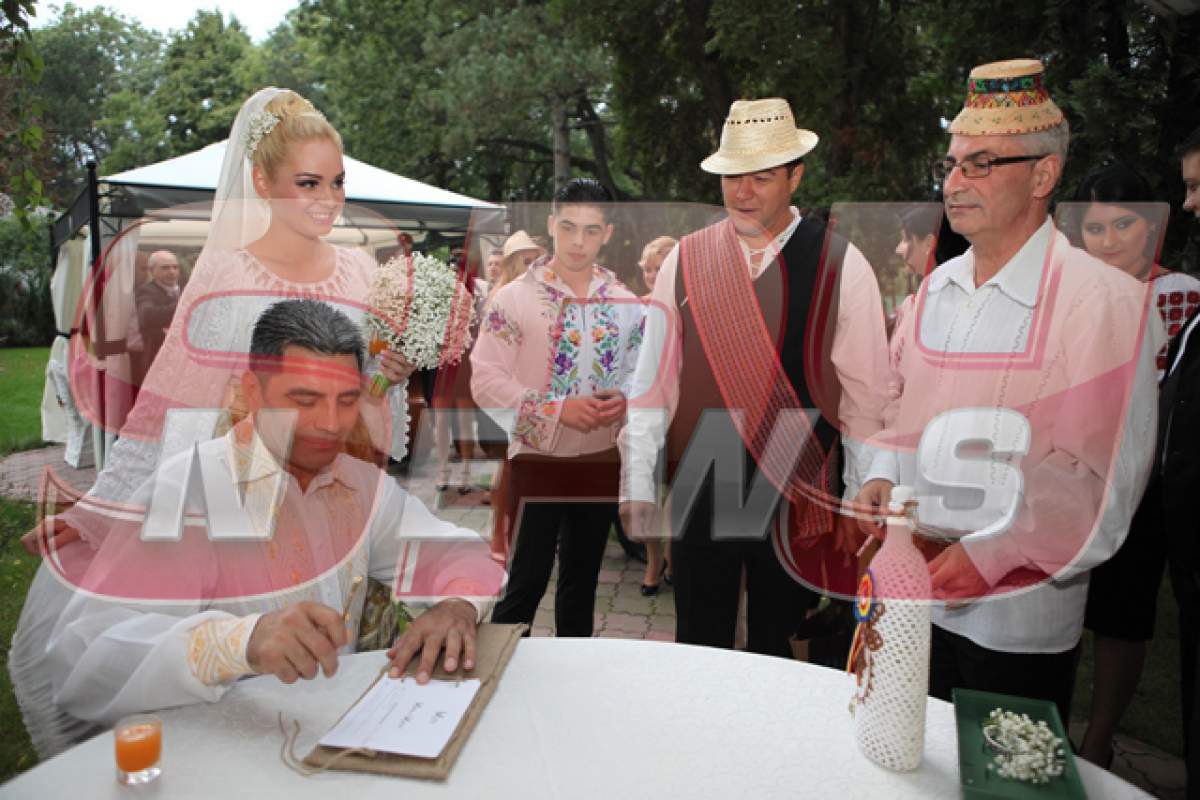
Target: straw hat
758,135
1006,97
517,242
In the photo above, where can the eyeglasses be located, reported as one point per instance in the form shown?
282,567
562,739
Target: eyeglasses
976,166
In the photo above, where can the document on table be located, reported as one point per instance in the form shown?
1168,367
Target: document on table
399,716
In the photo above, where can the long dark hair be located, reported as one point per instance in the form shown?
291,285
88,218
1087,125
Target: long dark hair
1116,184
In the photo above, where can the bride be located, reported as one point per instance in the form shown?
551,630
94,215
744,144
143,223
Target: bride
282,187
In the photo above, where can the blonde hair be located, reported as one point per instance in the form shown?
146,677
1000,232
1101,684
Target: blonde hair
661,244
299,121
511,268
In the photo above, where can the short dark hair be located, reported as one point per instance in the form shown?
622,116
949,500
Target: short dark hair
310,324
796,162
920,221
583,192
1190,145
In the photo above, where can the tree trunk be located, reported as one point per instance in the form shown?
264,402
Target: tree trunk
1116,36
561,137
854,29
593,126
716,89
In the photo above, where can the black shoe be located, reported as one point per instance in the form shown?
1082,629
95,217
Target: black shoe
649,590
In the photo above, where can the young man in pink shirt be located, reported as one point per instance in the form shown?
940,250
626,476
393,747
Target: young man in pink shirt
555,351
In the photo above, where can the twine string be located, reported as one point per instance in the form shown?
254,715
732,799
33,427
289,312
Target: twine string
287,752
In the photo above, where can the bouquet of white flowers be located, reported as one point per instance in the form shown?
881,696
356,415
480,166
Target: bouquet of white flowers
421,310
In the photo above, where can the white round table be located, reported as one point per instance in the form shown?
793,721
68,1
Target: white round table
572,718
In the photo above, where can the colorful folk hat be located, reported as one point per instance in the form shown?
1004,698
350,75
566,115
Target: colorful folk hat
1006,97
758,135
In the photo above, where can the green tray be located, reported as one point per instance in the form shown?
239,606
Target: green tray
970,711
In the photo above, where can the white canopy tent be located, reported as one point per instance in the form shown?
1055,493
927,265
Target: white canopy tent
168,204
364,183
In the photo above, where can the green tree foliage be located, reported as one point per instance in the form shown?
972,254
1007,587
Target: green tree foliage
208,71
22,141
125,96
502,99
26,316
465,93
290,60
562,82
97,62
846,68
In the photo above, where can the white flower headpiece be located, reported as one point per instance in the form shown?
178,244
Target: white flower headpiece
260,125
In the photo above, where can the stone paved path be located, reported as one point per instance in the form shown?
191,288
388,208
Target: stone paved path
621,611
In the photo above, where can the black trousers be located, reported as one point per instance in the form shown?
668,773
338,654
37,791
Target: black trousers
706,572
1185,580
579,532
563,504
958,663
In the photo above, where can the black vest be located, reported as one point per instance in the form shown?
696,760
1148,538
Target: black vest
785,295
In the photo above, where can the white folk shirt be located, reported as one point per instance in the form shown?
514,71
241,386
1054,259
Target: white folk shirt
1070,471
100,659
859,354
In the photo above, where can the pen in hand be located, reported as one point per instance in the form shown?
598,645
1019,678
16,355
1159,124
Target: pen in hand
354,584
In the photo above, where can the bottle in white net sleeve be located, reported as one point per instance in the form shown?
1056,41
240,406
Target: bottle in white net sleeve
890,654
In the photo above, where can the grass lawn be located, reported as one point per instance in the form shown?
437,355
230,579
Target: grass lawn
16,572
22,375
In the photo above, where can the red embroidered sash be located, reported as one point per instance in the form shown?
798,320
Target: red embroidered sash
741,353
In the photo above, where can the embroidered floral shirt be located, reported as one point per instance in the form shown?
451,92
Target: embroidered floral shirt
539,345
1176,296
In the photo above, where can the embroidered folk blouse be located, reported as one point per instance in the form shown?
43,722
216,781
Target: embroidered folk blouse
540,345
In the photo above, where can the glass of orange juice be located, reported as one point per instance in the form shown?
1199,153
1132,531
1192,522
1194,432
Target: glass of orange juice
138,741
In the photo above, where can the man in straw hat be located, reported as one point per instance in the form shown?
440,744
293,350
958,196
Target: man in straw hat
755,320
1032,397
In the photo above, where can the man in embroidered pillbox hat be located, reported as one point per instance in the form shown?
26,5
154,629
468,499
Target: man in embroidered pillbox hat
1032,394
755,320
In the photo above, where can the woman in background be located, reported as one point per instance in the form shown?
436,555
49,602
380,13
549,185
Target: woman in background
658,553
519,251
653,255
1119,221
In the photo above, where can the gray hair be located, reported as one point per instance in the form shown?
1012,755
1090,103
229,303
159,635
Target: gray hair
310,324
156,257
1054,141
